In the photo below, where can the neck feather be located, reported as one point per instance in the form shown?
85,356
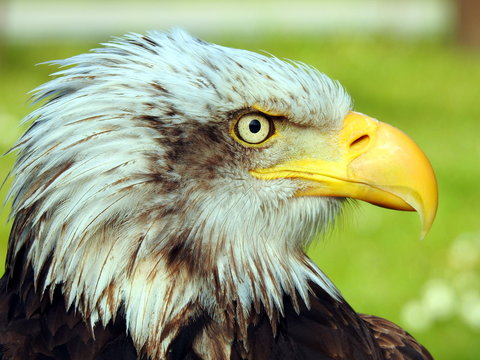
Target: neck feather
165,268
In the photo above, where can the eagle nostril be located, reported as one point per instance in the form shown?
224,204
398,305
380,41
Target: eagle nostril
360,142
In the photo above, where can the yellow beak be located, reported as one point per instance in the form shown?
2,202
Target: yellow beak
375,162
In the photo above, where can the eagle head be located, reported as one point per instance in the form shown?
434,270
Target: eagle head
164,176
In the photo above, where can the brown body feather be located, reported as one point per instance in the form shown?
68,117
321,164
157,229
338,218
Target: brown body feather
33,328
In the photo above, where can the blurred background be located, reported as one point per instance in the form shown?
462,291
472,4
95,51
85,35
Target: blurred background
414,64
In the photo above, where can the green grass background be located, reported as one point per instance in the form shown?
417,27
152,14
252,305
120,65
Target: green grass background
429,88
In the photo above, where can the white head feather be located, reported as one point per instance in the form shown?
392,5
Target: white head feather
128,190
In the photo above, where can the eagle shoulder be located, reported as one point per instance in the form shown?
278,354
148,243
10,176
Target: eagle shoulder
329,329
396,343
325,329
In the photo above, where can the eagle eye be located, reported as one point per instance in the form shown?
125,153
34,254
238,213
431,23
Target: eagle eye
253,128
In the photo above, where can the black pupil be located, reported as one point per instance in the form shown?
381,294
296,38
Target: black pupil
254,126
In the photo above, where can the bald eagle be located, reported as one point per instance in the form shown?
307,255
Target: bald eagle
163,197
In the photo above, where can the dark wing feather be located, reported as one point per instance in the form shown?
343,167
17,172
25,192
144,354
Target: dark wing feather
33,328
329,330
396,343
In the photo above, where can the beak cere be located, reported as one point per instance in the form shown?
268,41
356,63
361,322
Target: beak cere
376,163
